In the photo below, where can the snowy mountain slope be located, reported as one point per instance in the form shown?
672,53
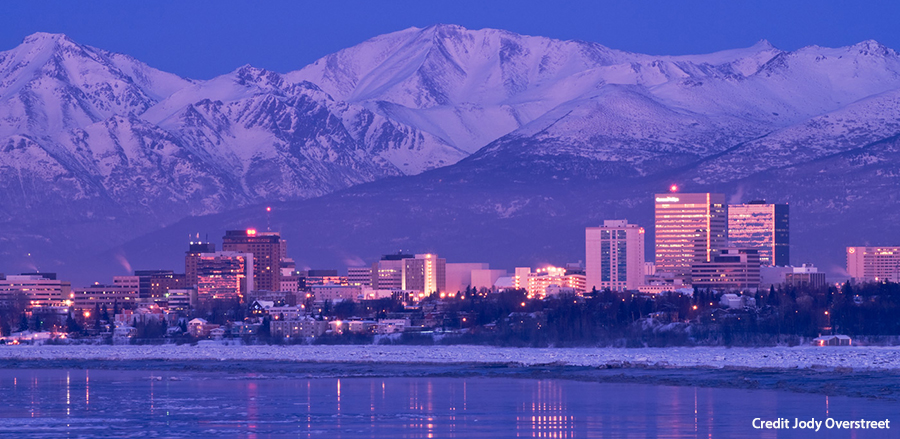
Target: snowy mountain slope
471,87
523,125
50,84
250,110
105,122
860,123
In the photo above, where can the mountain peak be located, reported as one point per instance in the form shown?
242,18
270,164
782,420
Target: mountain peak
872,47
46,38
763,44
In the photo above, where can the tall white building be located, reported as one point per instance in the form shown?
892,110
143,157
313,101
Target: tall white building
426,273
614,256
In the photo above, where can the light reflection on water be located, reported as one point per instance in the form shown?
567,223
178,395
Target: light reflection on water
194,404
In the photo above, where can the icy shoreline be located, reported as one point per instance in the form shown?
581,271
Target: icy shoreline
805,357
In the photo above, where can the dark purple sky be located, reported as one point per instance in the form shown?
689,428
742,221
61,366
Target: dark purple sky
202,39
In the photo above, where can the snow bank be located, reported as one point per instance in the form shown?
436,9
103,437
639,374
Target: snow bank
857,358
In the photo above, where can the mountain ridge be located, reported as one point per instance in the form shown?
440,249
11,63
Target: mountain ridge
98,142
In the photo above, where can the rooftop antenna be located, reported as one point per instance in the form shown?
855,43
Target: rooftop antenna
268,219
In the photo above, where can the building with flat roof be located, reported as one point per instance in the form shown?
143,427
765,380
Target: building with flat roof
459,275
109,295
762,226
160,284
387,273
874,264
426,273
267,248
728,269
191,259
360,276
225,275
805,276
145,281
681,222
309,278
548,281
30,290
614,256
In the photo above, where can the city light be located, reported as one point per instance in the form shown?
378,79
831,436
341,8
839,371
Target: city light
673,188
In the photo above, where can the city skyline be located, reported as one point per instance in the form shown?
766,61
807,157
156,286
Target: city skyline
604,261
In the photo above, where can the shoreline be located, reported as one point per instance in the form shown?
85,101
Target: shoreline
866,372
867,358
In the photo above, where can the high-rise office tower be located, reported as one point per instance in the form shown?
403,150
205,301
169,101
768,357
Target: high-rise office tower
426,273
686,223
387,274
614,256
191,258
267,250
225,275
761,226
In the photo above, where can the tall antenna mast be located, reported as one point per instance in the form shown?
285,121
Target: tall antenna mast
268,219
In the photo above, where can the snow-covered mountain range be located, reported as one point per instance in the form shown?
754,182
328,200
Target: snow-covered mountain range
93,141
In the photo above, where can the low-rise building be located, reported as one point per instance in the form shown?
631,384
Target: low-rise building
34,289
335,292
200,328
832,340
538,282
181,299
734,301
302,327
728,269
391,326
104,295
805,276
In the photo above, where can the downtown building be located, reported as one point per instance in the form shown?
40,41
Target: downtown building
192,259
684,221
225,275
548,281
425,273
34,290
268,250
387,273
614,256
873,264
727,270
764,227
360,276
111,296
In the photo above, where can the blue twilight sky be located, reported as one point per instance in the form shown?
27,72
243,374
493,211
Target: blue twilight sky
202,39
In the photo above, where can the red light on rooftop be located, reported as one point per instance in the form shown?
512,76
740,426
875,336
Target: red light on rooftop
268,209
251,232
673,188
